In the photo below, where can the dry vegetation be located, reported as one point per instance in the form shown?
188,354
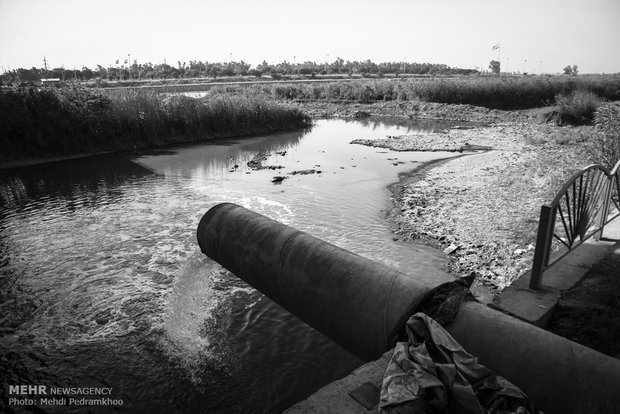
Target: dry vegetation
490,92
65,121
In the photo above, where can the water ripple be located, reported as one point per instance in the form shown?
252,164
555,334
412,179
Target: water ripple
99,264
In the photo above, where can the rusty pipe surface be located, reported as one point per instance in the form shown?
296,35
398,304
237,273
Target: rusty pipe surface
361,305
358,303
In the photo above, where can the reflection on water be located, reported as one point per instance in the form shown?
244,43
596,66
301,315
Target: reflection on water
102,281
81,179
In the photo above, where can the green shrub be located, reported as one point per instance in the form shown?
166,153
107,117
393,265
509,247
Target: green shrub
577,108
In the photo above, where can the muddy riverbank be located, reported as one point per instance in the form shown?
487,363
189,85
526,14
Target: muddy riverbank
481,208
419,109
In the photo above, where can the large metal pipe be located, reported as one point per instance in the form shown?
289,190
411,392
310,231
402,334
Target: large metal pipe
558,375
361,305
358,303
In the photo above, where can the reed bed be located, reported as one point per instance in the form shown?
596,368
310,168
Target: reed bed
605,143
506,92
65,121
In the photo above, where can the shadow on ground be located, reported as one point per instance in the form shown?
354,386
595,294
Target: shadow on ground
589,313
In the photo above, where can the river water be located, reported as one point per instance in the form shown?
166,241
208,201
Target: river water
103,284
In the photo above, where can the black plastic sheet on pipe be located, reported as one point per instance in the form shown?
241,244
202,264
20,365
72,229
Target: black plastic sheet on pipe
432,373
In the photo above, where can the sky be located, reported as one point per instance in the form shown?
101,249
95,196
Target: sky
535,36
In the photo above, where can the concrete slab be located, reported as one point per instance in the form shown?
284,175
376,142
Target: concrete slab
533,306
536,306
336,397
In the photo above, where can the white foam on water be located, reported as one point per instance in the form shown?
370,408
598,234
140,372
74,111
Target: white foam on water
189,304
268,207
201,297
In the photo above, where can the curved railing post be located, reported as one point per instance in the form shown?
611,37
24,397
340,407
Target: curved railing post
614,184
581,208
605,209
543,245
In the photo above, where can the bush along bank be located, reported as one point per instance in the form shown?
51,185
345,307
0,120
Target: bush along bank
67,121
503,92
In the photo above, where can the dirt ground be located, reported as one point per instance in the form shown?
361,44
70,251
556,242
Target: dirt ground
423,110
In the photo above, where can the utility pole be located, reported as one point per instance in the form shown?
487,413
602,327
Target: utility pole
129,63
498,48
45,63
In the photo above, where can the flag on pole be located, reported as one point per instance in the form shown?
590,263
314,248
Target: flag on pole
496,46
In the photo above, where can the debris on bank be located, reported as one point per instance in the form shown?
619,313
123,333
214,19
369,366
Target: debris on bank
482,209
256,163
305,172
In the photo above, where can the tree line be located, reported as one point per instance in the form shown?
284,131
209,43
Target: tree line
199,69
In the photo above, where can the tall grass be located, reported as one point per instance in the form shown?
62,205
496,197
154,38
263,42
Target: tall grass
605,144
74,120
577,108
490,92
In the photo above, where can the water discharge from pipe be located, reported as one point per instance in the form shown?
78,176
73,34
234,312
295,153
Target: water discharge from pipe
362,305
358,303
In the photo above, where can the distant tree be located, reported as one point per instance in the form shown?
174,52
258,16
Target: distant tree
241,68
123,69
494,65
57,73
102,72
28,75
336,66
87,74
265,68
228,69
214,71
192,73
571,70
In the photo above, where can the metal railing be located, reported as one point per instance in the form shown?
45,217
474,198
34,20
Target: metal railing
580,210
